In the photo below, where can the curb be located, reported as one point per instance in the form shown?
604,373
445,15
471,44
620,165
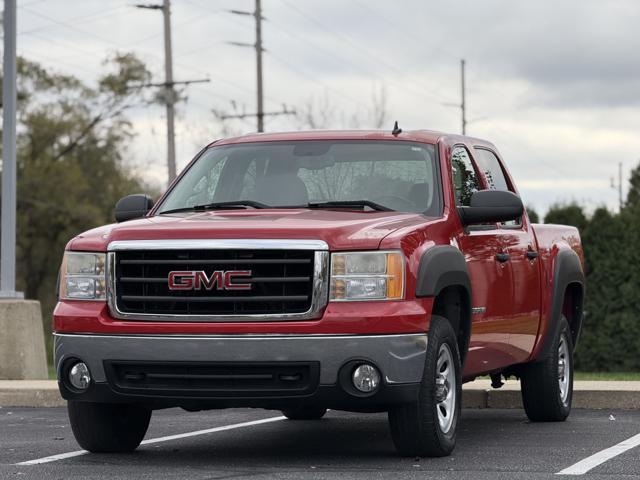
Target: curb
477,395
597,395
30,393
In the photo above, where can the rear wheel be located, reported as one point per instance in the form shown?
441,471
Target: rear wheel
547,386
427,427
305,413
108,427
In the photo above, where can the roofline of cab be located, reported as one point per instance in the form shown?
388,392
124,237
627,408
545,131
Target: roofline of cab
420,136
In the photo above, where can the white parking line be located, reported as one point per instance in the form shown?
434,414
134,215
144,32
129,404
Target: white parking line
583,466
62,456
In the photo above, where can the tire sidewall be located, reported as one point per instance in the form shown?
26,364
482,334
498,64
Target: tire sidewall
564,332
440,333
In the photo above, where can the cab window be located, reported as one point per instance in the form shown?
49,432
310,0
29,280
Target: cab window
490,167
465,180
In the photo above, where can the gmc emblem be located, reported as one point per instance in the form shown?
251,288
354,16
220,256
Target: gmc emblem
198,280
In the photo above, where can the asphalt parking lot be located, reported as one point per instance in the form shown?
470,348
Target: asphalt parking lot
492,444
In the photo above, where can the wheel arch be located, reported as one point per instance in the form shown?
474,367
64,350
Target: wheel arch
443,275
567,298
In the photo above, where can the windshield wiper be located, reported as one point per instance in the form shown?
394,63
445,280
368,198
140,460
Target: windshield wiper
350,204
218,205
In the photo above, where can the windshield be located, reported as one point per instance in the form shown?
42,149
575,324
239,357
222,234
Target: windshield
400,176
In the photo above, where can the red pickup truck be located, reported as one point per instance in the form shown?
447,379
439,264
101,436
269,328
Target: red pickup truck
364,271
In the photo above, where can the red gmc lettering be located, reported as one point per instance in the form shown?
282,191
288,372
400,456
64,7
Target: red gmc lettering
181,280
228,276
199,280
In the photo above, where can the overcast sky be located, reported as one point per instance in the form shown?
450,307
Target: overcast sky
555,85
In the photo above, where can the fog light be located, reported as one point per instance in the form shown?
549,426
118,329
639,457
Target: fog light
366,378
79,376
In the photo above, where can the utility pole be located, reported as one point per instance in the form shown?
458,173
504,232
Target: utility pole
463,103
9,177
260,114
618,186
260,103
168,85
169,91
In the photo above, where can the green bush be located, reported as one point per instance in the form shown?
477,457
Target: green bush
610,339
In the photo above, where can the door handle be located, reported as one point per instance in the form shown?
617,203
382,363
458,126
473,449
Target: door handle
532,254
503,257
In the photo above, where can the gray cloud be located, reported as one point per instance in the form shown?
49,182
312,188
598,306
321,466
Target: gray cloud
558,80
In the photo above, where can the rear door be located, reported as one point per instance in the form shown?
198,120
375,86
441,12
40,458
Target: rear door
489,345
519,243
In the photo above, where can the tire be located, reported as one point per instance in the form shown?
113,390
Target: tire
108,427
419,428
546,394
305,413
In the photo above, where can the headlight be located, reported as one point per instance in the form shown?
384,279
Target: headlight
82,276
367,276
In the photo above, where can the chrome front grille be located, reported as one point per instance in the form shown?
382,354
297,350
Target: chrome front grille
288,279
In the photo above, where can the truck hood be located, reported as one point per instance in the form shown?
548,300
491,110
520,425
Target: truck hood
341,230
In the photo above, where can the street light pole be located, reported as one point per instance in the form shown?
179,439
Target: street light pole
9,178
169,91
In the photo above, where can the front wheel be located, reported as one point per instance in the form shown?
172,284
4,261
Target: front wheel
427,427
108,427
547,386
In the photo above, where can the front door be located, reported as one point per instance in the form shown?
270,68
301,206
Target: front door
519,244
482,247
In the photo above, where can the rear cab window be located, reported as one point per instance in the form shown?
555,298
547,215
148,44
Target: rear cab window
495,177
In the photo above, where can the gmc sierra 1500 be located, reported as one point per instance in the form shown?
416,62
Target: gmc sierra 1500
363,271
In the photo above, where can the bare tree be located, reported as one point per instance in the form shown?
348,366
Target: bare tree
322,113
378,112
317,113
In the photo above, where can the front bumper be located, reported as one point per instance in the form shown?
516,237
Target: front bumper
400,359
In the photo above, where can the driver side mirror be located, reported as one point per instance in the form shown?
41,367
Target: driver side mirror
133,206
488,206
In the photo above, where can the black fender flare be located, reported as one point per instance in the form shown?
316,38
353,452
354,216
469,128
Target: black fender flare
440,267
444,266
567,271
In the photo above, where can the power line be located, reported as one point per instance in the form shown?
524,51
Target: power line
85,19
81,68
72,46
72,27
169,84
407,33
178,25
375,59
103,39
314,79
223,116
